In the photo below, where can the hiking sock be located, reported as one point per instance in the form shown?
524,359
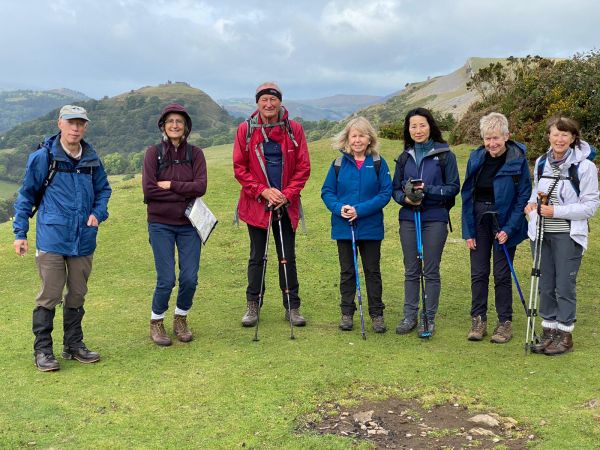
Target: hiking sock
181,312
157,316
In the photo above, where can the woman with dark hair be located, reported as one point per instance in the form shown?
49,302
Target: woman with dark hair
569,182
174,173
425,184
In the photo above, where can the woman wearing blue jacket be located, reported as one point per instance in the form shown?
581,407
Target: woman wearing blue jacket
356,189
428,159
496,189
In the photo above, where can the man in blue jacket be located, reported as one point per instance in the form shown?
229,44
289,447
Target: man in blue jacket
66,181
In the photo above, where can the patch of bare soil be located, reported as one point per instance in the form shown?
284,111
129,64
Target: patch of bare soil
405,424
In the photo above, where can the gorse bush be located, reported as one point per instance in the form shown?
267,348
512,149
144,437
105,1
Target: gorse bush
531,90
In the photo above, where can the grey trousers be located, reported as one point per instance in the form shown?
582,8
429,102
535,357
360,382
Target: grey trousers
561,258
434,236
58,270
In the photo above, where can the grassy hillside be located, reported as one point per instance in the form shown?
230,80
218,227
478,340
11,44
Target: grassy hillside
225,391
23,105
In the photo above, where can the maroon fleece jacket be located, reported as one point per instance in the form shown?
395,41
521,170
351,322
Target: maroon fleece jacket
168,205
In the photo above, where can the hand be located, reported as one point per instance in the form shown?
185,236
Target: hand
530,207
471,244
547,210
164,184
410,202
274,197
92,221
349,212
502,237
21,246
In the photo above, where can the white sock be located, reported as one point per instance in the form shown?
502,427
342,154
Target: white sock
566,328
181,312
155,316
552,324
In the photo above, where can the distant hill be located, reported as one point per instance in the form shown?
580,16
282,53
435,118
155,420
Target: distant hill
125,124
444,94
23,105
330,108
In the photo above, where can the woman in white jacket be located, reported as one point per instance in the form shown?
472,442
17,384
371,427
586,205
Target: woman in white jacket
565,228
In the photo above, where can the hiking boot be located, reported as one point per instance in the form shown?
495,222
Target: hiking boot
251,316
426,333
180,328
45,362
406,326
546,339
297,319
346,322
158,333
502,333
562,343
378,324
478,329
81,354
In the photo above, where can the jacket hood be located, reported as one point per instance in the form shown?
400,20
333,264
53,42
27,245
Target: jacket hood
175,108
578,153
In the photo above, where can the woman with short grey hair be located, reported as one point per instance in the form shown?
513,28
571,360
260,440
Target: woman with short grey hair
496,188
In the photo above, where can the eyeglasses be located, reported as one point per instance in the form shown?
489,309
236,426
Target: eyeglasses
174,122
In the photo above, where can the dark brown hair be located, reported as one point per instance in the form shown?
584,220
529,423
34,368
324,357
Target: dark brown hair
565,124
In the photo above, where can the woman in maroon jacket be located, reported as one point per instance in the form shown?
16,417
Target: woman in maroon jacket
174,173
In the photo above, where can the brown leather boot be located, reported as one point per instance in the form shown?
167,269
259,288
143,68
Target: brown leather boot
297,319
478,329
502,332
181,329
158,333
562,343
546,340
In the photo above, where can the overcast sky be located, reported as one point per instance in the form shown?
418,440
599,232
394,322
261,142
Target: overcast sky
312,48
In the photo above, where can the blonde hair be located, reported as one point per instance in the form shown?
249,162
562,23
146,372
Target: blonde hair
340,140
494,121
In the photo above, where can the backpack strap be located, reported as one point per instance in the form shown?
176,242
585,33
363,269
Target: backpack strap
163,163
574,177
337,163
52,169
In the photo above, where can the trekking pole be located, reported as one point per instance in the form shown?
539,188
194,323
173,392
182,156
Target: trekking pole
512,269
417,215
283,262
535,273
358,292
262,280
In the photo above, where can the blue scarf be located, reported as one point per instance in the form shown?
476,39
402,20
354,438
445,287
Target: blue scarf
421,150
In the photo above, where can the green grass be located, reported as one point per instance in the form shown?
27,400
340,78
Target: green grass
7,189
225,391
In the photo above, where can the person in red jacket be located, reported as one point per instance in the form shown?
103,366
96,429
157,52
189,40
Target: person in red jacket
271,162
173,175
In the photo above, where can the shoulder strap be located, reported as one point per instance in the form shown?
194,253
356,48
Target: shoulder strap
160,158
401,162
443,160
337,163
574,177
540,166
52,169
377,164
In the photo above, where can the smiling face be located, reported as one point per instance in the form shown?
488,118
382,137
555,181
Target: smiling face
419,129
72,130
495,142
268,108
560,141
358,142
175,127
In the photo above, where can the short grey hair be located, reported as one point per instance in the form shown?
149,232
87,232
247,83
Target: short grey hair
494,121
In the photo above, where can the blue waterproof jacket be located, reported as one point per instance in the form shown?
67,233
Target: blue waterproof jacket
361,189
512,188
68,202
437,193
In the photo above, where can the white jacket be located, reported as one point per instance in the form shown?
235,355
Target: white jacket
576,209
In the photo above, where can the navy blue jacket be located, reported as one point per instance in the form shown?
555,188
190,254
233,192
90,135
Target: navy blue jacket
512,188
68,202
437,193
362,190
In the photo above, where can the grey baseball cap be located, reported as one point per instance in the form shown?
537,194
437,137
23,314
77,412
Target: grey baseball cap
73,112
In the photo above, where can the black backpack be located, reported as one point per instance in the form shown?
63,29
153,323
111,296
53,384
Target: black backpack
53,168
337,163
163,163
442,161
573,170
